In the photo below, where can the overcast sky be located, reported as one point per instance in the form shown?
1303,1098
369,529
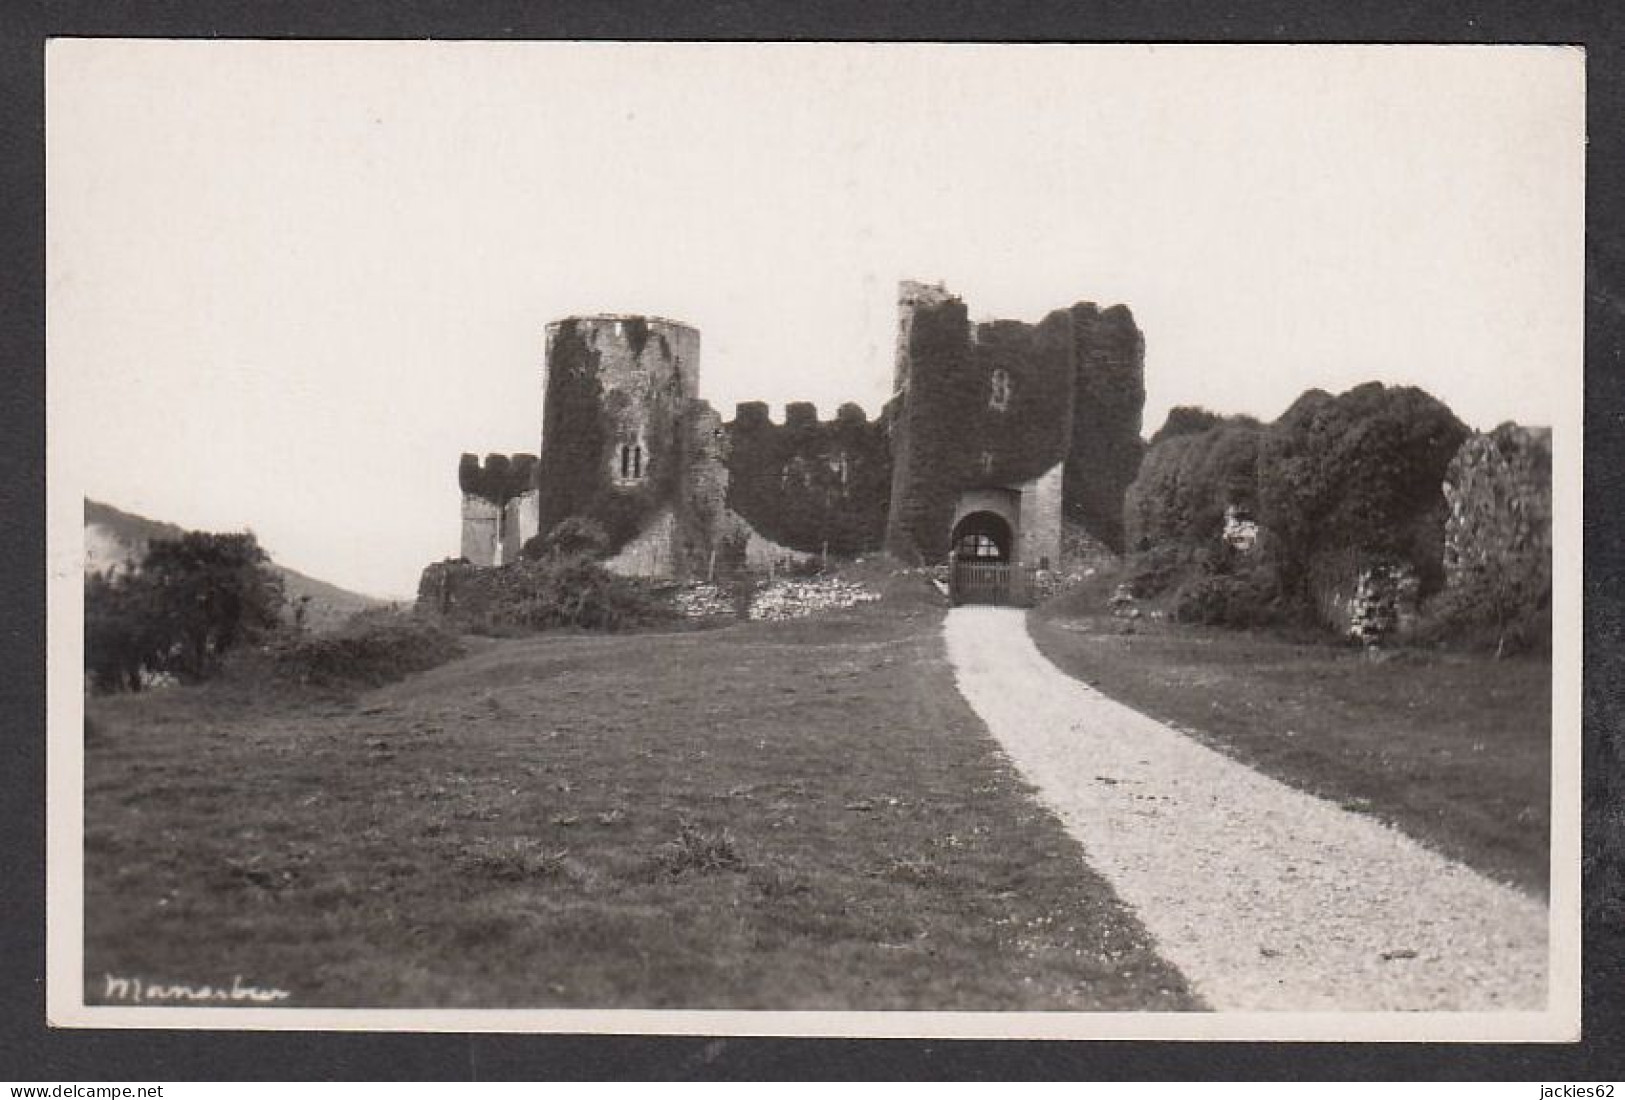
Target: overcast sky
291,283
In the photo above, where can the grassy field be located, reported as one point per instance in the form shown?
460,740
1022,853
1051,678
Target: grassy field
789,815
1453,749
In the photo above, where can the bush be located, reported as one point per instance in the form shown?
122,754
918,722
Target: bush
575,591
1188,481
187,604
572,535
1476,618
370,649
1248,599
1358,477
560,590
1337,485
124,637
1153,572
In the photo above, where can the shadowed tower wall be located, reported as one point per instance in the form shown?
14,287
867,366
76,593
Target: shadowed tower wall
1106,447
988,406
615,431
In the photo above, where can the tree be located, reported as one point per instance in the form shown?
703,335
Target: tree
210,594
1189,480
124,638
1186,420
1354,480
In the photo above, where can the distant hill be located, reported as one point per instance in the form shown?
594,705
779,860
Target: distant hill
114,538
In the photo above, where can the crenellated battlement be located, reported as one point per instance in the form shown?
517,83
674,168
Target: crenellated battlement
806,483
801,415
499,478
499,506
1047,411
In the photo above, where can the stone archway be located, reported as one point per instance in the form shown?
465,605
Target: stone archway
983,549
983,538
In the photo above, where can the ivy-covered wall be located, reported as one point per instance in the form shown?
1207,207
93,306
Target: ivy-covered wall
809,484
990,408
1498,530
999,404
703,525
498,479
1108,402
615,382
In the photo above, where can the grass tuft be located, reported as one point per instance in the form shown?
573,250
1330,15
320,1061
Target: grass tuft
697,851
518,859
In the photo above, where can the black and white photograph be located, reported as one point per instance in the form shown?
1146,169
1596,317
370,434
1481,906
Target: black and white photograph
866,539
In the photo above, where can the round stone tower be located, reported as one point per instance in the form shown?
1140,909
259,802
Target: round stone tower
616,391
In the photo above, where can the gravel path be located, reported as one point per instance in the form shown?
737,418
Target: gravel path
1265,897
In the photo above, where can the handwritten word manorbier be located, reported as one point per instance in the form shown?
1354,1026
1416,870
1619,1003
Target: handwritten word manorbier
136,991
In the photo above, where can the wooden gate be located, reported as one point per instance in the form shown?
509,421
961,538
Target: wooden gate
997,583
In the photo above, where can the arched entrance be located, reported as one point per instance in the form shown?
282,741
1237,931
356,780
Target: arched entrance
983,546
982,537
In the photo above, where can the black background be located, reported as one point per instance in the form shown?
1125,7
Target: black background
31,1052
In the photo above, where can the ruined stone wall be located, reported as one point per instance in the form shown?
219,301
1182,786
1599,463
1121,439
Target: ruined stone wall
482,530
809,484
519,525
704,527
1498,531
1041,509
498,506
1108,401
995,500
764,555
626,442
650,553
615,430
989,407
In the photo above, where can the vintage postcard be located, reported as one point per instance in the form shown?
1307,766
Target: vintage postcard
815,539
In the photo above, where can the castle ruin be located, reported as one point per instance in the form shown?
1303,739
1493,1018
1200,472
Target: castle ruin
1003,441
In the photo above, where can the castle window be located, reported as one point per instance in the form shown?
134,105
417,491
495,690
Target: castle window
631,462
999,393
978,547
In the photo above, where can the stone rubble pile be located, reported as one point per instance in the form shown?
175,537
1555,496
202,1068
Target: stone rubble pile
701,601
1384,603
1122,603
1240,531
794,599
1048,583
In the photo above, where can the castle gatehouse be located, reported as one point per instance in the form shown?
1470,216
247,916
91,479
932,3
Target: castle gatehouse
1004,442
